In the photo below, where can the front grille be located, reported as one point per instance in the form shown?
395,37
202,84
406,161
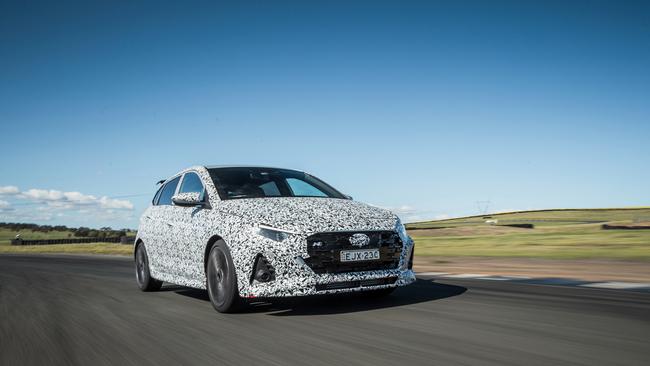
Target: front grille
324,251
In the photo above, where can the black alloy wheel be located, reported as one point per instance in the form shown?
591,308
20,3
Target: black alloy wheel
222,279
142,275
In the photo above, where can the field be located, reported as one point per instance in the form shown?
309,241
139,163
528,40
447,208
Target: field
6,235
557,234
91,248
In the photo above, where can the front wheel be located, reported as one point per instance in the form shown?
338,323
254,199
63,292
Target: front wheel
222,279
142,275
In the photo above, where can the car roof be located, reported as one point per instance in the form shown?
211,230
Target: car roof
245,166
162,181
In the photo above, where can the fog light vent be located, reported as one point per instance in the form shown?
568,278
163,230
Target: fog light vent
263,271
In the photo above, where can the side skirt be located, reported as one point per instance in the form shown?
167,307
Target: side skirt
177,280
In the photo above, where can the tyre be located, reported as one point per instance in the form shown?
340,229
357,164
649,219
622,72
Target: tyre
142,275
379,293
221,279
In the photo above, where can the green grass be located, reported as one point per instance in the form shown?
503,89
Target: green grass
558,234
91,248
6,235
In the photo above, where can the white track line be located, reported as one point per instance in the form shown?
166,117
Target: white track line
473,275
607,285
618,285
466,275
503,278
432,273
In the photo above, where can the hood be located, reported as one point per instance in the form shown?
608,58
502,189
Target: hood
310,214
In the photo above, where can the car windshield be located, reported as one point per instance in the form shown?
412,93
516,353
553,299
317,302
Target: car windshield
244,182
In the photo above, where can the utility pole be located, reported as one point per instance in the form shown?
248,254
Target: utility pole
483,206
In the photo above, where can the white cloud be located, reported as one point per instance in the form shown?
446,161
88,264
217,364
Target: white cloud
43,205
71,200
9,190
404,210
42,195
21,216
111,203
51,206
80,198
413,214
46,204
406,213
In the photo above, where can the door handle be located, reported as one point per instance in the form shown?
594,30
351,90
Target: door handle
170,224
147,217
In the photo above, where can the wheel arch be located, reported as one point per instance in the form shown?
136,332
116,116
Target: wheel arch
136,246
208,247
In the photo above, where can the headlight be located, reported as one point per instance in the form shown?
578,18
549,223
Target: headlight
401,230
272,233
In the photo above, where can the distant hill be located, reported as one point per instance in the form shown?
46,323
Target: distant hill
545,217
607,233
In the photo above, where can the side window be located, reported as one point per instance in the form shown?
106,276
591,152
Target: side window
168,191
302,188
270,189
154,201
191,183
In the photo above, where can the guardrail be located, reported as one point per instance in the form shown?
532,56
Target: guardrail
523,226
121,240
625,227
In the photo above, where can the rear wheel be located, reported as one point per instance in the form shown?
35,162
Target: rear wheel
222,279
142,275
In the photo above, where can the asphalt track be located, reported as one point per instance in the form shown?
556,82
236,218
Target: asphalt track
65,310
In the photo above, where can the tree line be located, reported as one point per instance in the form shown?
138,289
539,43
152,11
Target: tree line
79,232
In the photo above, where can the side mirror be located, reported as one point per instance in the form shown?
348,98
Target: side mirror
348,197
188,199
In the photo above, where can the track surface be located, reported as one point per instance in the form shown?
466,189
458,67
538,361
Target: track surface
87,310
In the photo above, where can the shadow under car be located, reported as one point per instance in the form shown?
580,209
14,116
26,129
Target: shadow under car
418,292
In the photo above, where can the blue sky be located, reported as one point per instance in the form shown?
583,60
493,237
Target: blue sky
423,107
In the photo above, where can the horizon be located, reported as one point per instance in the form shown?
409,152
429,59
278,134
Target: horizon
433,110
495,213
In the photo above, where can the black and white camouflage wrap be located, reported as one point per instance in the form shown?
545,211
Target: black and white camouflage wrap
176,237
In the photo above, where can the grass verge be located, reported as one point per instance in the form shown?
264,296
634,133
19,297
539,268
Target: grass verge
557,234
91,248
551,242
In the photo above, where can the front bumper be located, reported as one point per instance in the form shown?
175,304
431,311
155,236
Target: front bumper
331,284
293,277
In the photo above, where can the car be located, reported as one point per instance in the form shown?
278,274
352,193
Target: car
256,232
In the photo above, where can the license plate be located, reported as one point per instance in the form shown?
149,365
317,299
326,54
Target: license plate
359,255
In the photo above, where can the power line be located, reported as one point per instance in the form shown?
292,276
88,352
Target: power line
132,195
